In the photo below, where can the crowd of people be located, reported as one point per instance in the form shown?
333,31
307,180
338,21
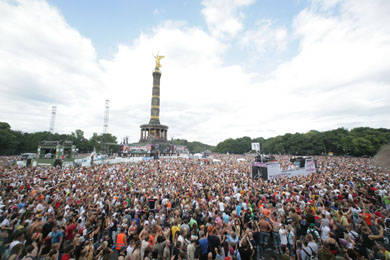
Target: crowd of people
195,209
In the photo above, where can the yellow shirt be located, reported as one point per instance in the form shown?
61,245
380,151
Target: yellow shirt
174,229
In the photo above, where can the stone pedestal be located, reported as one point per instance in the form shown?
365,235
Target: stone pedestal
153,133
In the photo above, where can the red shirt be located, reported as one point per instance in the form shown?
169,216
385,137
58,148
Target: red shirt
379,214
65,257
70,231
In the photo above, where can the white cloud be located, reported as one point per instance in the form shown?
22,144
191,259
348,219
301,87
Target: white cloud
337,50
47,69
265,38
157,11
338,78
223,17
197,91
340,74
325,5
43,61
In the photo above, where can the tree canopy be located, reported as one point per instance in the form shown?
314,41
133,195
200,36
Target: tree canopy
193,147
16,142
356,142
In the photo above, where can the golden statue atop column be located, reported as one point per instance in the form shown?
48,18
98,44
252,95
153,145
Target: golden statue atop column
158,64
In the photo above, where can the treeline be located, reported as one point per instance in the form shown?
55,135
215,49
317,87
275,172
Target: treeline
17,142
194,147
356,142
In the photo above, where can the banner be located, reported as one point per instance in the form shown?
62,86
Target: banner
256,147
259,164
136,149
292,173
274,170
310,166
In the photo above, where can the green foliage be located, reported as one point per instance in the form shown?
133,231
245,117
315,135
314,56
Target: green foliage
236,146
193,147
15,142
98,140
357,142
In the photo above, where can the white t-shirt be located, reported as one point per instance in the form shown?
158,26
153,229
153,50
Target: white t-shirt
283,236
14,243
221,206
129,251
353,235
244,206
324,232
356,210
5,223
39,207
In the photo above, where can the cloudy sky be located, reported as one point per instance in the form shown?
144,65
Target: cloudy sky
232,67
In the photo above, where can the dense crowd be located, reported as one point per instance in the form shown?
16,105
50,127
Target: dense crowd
195,209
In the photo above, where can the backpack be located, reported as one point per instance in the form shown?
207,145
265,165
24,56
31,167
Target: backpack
311,256
313,233
237,255
198,252
386,237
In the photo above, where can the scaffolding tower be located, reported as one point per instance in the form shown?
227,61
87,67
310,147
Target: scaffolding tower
105,125
106,116
53,118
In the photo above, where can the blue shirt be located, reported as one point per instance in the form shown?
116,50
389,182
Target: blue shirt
225,218
203,245
56,236
232,240
21,205
238,209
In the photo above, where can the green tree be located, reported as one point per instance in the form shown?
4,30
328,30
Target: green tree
236,146
359,141
97,141
81,142
193,147
8,140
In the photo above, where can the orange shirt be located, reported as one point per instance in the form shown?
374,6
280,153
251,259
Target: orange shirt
266,212
151,240
367,218
120,241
